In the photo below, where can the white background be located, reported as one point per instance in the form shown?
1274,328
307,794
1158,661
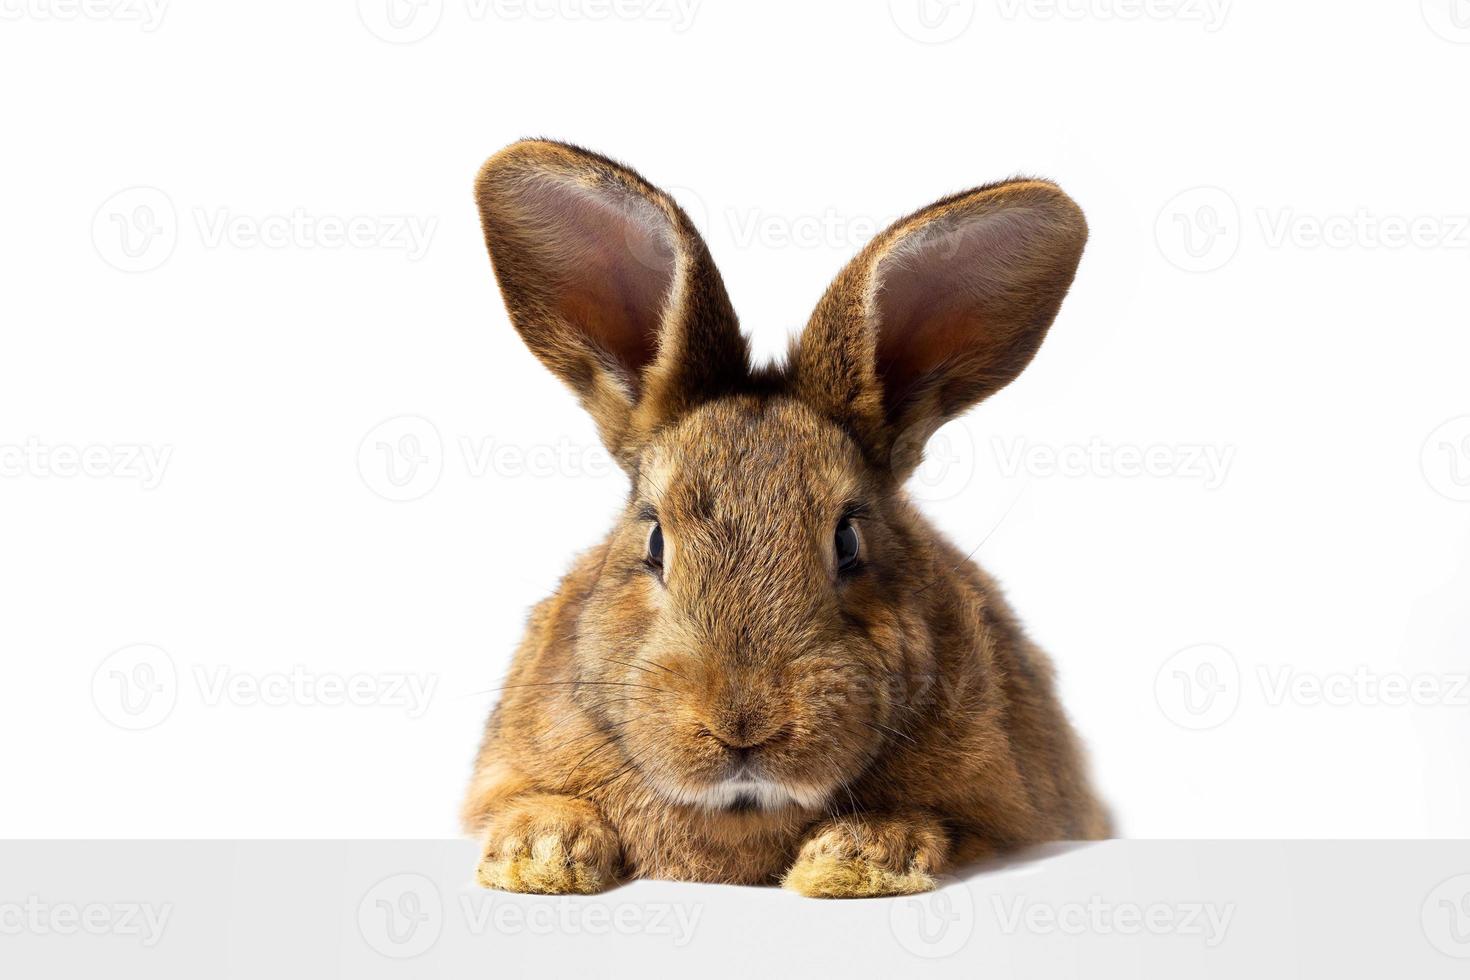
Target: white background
1275,282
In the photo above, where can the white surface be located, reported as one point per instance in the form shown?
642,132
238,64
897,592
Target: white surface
1135,909
265,335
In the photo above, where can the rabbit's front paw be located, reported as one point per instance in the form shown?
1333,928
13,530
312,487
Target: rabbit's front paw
549,845
865,856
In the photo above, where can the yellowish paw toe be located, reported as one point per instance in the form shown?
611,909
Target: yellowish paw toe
828,876
545,870
549,846
864,857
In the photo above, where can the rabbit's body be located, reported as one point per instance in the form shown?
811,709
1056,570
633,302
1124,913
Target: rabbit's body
717,692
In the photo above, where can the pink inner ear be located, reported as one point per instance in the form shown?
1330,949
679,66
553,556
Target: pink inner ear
608,257
950,292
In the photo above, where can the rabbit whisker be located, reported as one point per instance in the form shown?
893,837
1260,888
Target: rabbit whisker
880,727
592,734
964,561
605,744
586,712
507,687
615,776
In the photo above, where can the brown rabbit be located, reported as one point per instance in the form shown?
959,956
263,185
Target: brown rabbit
774,668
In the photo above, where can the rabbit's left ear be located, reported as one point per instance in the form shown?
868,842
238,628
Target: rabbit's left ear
941,310
609,284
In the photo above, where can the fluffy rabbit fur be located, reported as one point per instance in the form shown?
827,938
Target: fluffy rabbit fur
754,707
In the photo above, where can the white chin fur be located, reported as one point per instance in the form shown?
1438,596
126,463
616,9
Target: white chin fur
767,795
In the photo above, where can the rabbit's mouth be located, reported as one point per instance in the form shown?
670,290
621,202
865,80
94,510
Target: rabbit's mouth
744,793
744,804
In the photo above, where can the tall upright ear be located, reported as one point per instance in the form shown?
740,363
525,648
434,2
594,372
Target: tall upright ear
609,284
939,311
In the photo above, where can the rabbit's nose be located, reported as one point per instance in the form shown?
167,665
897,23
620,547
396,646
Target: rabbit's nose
740,744
741,733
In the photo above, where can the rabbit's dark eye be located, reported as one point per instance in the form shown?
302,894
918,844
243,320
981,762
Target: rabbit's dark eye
656,546
849,546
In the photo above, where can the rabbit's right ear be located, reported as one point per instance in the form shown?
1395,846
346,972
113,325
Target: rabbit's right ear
610,286
941,310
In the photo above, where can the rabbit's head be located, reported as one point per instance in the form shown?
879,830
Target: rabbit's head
754,633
